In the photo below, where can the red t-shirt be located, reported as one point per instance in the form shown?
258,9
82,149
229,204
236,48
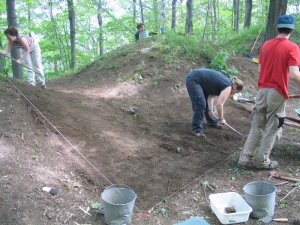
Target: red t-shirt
275,57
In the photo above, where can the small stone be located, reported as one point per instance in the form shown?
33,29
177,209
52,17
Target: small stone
49,215
53,191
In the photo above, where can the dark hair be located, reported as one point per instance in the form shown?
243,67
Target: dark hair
238,82
11,31
284,30
139,25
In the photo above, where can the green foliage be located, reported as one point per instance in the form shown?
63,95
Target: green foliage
163,211
283,204
157,78
175,46
96,205
142,65
207,50
138,78
219,64
124,79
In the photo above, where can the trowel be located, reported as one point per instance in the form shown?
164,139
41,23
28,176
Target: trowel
268,219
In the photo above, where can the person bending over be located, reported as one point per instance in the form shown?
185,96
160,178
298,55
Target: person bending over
203,85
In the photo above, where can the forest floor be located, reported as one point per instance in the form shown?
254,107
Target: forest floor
129,124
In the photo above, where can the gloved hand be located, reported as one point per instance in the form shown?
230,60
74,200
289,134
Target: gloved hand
281,122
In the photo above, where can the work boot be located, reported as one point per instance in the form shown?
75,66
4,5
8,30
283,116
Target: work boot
270,166
199,134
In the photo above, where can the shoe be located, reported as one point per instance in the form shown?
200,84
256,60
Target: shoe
199,134
44,86
215,125
272,165
246,166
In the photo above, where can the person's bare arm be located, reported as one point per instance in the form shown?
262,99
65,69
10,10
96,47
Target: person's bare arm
220,103
210,102
7,49
295,74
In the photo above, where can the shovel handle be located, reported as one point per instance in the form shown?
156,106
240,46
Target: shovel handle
281,220
287,178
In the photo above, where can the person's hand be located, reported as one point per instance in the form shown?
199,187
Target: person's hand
211,114
222,122
18,61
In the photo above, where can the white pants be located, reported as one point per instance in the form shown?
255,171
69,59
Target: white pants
34,61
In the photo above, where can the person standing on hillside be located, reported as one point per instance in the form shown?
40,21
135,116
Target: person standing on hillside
279,59
31,54
203,85
142,33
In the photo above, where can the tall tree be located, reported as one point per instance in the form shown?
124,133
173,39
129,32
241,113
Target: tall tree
213,20
173,23
142,12
163,15
71,13
15,53
59,43
276,8
236,15
248,13
134,11
100,23
189,17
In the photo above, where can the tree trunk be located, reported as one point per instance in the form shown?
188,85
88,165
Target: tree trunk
206,20
2,61
189,17
59,41
276,8
155,11
173,25
100,23
15,53
248,13
236,13
71,13
142,11
213,20
134,11
163,16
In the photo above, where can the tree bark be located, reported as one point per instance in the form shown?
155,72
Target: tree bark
15,53
59,41
236,13
276,8
163,16
248,13
174,10
100,23
189,17
71,13
213,20
142,11
134,11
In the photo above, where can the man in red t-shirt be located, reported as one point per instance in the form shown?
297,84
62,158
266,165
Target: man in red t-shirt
279,61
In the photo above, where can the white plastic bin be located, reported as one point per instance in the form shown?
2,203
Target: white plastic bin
220,201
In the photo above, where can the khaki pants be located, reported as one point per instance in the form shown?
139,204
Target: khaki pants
265,130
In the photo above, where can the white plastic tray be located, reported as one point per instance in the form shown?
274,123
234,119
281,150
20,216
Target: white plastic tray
220,201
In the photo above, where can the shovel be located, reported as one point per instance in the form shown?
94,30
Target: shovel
268,219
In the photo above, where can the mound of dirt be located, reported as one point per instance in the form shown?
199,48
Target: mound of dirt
128,124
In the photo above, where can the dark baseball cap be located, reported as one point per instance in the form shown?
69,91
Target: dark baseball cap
286,21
